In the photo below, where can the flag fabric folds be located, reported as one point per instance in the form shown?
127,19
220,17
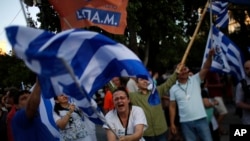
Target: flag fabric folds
228,57
75,62
46,107
110,15
219,8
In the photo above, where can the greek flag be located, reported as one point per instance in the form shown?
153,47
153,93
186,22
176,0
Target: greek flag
219,8
46,107
228,57
75,62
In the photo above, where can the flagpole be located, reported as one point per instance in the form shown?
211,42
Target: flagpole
211,22
101,116
25,16
67,22
193,37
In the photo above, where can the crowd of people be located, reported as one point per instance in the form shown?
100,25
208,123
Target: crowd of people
191,108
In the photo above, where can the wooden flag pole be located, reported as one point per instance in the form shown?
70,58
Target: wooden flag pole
193,37
67,23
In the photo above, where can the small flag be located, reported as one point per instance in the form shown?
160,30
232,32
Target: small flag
228,57
219,8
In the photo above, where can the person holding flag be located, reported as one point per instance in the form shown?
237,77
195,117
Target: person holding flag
72,123
186,93
27,124
126,120
157,126
86,67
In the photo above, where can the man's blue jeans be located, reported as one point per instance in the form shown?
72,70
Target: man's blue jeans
196,129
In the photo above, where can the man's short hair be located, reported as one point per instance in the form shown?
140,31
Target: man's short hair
20,93
12,92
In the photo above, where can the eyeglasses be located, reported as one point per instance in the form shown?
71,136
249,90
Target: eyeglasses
121,97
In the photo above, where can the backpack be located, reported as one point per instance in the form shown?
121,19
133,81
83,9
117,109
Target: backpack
246,90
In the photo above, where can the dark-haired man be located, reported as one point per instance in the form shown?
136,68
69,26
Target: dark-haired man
27,124
186,93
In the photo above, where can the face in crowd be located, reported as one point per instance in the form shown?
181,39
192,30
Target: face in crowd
247,68
23,99
121,100
184,73
62,99
142,83
116,81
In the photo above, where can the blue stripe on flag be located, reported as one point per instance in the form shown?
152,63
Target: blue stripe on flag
219,8
46,114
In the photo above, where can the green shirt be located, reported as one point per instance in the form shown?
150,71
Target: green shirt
154,114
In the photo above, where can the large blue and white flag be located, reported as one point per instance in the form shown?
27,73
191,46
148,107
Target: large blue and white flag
219,8
75,61
228,57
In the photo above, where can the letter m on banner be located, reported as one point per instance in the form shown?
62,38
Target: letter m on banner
109,15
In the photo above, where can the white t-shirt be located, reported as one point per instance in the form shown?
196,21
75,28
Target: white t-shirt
239,97
131,85
78,129
136,117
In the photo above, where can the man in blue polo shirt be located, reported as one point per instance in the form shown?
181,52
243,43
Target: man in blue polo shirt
27,124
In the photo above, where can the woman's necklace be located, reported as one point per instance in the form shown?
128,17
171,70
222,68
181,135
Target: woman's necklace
126,127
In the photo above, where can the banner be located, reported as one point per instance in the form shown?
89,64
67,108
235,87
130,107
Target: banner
109,15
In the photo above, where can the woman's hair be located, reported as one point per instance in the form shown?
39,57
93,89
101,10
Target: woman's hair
125,91
58,107
122,89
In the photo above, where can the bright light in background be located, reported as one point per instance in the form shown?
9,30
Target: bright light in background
11,14
3,47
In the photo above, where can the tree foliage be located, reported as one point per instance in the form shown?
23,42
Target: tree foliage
160,26
13,72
